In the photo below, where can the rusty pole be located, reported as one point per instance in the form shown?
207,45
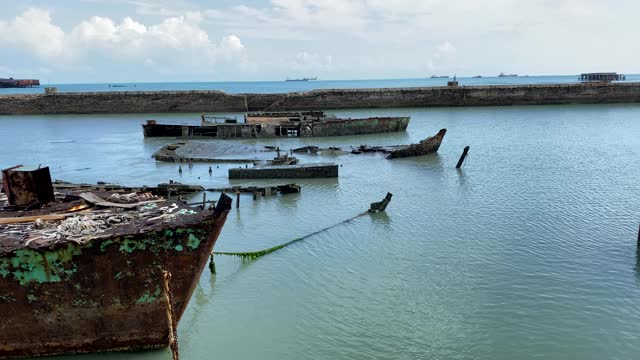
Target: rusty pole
204,200
462,157
237,199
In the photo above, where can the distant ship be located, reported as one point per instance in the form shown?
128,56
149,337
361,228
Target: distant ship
507,75
18,83
439,76
302,79
477,77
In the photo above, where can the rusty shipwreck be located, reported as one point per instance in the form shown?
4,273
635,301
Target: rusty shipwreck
96,270
424,147
278,125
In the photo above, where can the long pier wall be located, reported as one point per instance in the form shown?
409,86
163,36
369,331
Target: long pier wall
219,101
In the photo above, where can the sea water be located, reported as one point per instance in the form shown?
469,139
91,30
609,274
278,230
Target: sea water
528,251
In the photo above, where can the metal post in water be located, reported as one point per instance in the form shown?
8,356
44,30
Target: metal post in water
462,157
212,265
204,200
237,199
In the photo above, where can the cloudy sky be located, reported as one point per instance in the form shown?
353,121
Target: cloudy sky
66,41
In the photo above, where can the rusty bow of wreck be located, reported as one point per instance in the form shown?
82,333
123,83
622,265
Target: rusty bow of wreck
106,293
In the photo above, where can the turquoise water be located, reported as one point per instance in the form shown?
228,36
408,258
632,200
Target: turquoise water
286,86
527,252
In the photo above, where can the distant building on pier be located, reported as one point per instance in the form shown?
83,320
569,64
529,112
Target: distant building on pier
602,77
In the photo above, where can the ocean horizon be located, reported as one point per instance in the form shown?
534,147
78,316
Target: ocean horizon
289,86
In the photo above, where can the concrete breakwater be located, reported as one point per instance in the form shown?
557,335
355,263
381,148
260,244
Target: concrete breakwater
219,101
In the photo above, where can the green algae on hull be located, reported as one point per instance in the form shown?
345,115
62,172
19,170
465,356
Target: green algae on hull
29,265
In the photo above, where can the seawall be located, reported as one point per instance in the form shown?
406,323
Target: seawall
218,101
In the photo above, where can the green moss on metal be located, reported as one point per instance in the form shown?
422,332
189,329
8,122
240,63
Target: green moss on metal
168,240
4,268
148,298
31,298
130,245
193,241
104,244
41,266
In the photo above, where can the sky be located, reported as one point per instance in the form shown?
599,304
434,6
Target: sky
85,41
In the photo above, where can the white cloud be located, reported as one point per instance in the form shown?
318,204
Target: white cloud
175,44
365,38
442,57
33,29
305,62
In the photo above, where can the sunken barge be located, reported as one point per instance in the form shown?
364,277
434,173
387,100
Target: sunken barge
278,125
221,152
96,271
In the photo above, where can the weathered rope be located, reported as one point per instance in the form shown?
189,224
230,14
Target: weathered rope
252,255
171,318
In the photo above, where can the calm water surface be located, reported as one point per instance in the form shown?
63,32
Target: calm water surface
527,252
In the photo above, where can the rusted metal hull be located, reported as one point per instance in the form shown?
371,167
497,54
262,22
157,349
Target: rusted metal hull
106,294
424,147
332,127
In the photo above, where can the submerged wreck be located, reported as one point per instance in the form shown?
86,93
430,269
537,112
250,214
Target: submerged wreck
278,125
424,147
96,271
294,171
285,167
224,152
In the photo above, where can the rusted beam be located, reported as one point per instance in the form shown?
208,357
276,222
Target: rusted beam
462,157
26,186
381,205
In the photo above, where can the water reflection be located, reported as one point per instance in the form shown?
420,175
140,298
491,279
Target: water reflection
637,267
381,218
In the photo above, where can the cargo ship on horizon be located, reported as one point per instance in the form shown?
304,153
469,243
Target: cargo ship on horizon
18,83
302,79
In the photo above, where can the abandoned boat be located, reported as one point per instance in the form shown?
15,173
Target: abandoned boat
424,147
278,125
96,271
